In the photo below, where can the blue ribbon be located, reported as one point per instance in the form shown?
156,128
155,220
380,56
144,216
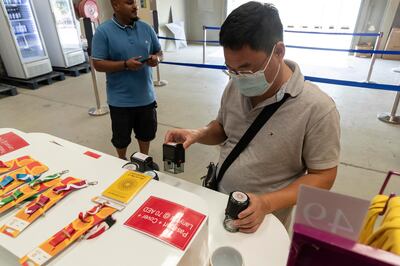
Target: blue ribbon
195,65
6,181
375,86
386,87
27,178
175,39
363,51
314,32
335,33
211,28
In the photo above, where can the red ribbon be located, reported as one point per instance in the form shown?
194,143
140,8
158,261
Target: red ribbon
3,165
100,228
97,231
64,234
90,212
70,187
41,202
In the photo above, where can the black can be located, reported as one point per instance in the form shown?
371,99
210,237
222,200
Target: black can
238,201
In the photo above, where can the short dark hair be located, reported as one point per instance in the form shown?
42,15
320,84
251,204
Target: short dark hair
254,24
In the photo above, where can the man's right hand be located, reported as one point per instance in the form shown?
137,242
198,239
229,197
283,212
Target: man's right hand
185,136
133,63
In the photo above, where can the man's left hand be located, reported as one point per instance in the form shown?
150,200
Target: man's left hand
153,60
252,217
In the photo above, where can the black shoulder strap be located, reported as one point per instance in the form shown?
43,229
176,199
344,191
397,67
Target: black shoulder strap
251,132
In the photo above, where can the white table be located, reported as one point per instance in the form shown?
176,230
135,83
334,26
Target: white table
123,246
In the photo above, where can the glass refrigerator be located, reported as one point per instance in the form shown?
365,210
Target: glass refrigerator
21,43
60,30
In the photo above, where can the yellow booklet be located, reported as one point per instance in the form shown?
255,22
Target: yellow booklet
126,186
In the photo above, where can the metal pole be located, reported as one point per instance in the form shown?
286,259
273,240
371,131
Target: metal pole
159,82
373,58
204,43
392,118
90,27
98,110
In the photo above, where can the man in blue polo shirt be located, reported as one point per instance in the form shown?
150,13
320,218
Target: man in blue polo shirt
126,49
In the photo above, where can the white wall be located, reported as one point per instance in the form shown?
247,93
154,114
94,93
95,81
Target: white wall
178,14
396,21
388,19
376,16
205,12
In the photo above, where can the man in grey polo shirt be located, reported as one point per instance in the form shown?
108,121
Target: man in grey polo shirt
300,143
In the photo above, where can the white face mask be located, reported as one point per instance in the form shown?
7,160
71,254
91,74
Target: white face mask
254,84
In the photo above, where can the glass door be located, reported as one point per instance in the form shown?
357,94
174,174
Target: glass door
65,23
23,25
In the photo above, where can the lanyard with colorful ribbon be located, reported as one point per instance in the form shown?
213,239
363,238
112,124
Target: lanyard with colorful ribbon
25,178
68,235
100,228
45,179
14,164
14,196
26,216
36,186
25,174
93,222
6,181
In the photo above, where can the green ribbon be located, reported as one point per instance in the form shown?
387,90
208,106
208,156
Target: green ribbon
41,180
31,198
15,195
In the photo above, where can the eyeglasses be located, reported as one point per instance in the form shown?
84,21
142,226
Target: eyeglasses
234,73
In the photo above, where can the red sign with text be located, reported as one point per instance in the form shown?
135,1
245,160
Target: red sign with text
10,142
166,221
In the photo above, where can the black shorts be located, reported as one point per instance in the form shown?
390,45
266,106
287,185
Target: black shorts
142,120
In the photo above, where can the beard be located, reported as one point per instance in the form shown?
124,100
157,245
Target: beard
135,19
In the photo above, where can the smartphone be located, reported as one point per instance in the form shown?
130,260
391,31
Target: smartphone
144,60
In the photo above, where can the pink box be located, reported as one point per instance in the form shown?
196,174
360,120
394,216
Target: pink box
312,247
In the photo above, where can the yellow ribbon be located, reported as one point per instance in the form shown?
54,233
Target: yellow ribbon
387,236
376,207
